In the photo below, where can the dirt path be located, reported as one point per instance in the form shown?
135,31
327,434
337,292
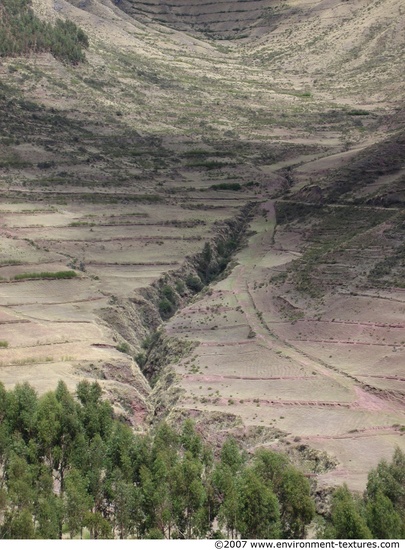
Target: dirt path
332,405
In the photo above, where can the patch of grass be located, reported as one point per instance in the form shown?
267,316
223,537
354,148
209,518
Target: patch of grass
46,275
3,344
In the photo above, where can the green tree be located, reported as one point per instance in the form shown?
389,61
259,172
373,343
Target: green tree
390,479
190,439
18,525
21,409
49,516
225,483
259,513
126,502
96,414
385,494
296,505
382,519
78,503
347,521
189,496
231,455
68,434
22,33
98,526
270,467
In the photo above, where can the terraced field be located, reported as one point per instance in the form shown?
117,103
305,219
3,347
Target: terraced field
327,374
53,326
208,218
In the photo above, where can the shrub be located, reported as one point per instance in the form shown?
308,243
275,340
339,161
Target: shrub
123,347
194,283
165,308
168,293
226,187
180,287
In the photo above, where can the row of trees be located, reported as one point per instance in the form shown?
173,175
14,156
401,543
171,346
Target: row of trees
69,468
23,33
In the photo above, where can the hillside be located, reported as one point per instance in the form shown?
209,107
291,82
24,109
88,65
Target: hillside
229,194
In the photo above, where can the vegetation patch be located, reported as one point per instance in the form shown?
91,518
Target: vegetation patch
226,187
46,275
22,33
70,468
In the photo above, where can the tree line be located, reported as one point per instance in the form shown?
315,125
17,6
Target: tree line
23,33
69,468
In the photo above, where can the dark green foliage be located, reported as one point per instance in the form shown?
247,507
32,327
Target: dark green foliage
22,33
194,283
358,112
66,465
259,513
180,288
297,506
292,489
382,518
46,275
347,517
168,301
166,308
226,187
385,498
168,293
380,513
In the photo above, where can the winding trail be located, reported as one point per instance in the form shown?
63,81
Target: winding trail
333,405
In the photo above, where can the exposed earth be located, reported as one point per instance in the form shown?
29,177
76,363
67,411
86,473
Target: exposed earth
272,130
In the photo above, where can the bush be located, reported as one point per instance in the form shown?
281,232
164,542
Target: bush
168,293
165,308
180,287
194,283
141,359
123,347
226,187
